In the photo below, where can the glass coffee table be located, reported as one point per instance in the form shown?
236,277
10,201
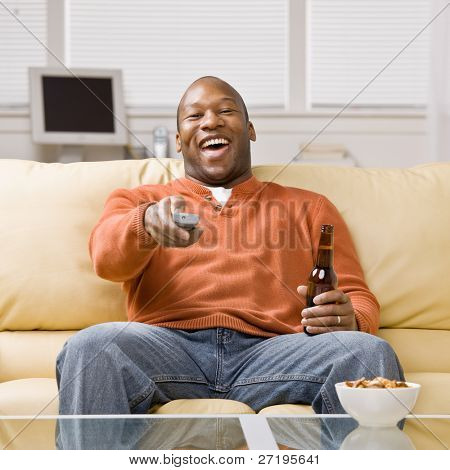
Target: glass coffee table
224,432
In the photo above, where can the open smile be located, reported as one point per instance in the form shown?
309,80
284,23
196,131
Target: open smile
215,151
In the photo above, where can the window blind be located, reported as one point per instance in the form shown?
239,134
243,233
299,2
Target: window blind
19,49
351,41
162,46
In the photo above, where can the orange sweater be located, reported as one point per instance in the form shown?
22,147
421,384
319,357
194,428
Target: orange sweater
243,272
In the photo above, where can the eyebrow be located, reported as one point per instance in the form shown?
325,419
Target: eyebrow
221,99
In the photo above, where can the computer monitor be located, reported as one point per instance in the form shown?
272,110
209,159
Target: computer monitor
79,110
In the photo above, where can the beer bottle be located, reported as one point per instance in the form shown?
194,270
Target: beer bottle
323,277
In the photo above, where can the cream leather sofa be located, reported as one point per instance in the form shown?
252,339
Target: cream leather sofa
399,218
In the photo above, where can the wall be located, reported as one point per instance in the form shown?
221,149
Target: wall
374,140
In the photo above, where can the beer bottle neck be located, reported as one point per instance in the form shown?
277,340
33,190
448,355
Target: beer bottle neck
325,251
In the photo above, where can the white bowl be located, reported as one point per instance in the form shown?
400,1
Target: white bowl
378,406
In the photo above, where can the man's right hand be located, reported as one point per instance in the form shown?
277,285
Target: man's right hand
158,221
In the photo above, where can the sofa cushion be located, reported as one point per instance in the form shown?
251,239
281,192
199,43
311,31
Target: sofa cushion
27,354
38,434
428,433
434,396
420,350
202,406
289,409
29,397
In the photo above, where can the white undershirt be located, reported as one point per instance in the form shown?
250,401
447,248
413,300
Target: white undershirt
220,194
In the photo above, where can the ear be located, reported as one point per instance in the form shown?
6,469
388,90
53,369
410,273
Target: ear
178,142
251,131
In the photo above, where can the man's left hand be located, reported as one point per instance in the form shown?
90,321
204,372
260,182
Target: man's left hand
333,312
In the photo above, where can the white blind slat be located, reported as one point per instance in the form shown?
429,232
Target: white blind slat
351,41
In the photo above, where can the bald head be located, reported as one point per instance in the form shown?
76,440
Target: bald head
222,83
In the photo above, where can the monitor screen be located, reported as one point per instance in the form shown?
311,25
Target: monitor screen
78,104
81,106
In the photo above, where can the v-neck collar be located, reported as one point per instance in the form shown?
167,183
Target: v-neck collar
249,186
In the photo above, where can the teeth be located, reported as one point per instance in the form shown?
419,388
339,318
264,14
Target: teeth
214,142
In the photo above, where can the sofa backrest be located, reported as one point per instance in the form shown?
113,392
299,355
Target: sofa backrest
399,220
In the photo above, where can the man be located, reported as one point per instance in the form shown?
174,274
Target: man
218,312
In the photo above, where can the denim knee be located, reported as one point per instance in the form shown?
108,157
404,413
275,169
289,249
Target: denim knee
369,351
357,341
96,337
372,345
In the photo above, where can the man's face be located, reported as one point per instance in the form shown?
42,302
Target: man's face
210,109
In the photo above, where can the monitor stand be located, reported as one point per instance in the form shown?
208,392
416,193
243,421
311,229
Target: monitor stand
71,154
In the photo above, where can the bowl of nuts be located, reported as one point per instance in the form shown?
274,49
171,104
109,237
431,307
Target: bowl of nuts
379,401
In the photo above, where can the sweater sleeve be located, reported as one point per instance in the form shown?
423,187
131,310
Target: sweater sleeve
347,266
119,245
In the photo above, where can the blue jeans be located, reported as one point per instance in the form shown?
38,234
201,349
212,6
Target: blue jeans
127,367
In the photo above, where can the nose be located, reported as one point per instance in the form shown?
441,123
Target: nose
211,120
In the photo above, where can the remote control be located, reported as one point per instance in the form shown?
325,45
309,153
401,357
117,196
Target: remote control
185,220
